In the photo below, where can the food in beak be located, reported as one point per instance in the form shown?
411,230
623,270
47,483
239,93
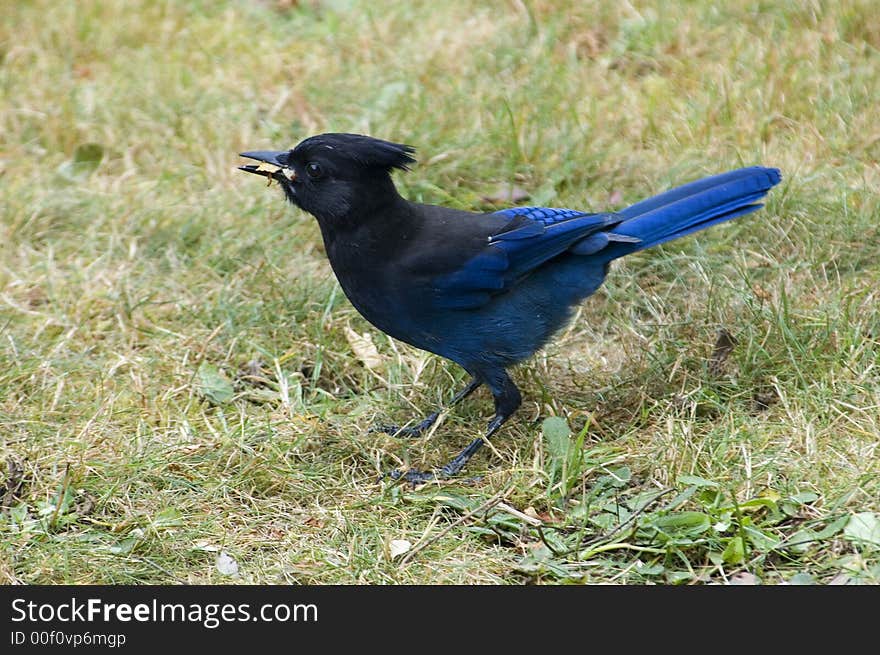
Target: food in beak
270,171
266,167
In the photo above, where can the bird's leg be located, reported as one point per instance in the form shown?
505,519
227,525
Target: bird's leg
459,461
419,428
507,401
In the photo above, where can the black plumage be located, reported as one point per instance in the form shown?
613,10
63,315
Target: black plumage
485,290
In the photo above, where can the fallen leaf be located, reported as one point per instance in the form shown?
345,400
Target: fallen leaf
723,347
10,490
364,349
86,159
85,503
761,293
801,579
864,528
226,564
840,579
35,297
398,547
83,72
274,533
205,545
763,399
213,384
282,6
590,44
314,522
743,578
252,368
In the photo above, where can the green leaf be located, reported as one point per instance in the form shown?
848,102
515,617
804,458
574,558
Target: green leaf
805,497
557,436
678,577
213,385
18,515
605,521
454,501
832,528
759,539
735,552
169,517
758,503
86,158
681,498
654,568
124,546
696,481
863,527
801,541
622,476
683,520
802,579
52,512
682,525
805,539
128,543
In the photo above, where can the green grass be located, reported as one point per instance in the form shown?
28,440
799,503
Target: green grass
135,261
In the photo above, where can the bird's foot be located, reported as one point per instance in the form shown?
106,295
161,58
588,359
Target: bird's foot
408,431
453,468
412,476
415,477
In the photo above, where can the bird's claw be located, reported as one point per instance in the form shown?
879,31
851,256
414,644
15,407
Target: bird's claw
415,477
449,470
408,431
412,476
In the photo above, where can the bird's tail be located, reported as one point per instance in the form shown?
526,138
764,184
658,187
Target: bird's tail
692,207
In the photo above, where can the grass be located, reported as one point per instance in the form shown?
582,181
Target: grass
177,370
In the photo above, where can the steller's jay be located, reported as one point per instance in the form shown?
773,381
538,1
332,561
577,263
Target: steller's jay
485,290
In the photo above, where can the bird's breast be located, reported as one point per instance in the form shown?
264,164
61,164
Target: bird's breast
380,291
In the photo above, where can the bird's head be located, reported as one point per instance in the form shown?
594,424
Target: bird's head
332,176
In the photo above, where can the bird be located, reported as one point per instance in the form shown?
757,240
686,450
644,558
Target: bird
485,290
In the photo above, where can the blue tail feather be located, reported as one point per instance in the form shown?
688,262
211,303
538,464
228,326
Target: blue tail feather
692,207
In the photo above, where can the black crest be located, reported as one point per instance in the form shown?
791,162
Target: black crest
361,149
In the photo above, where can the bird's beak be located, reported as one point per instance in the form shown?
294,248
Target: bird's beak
273,164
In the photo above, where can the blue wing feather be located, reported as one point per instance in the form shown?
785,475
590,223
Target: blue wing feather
533,236
544,215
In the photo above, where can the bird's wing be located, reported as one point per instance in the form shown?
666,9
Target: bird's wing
532,236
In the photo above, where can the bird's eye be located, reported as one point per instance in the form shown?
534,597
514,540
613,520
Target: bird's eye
314,170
